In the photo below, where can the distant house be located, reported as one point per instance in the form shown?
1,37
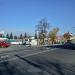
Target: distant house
31,40
59,38
2,37
72,38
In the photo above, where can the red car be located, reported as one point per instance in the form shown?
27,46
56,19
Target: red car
4,44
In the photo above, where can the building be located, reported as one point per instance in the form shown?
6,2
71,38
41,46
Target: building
31,40
72,38
2,36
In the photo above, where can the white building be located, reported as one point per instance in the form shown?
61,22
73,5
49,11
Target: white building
33,41
2,37
72,38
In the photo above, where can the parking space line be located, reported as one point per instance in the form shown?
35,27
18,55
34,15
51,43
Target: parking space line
37,53
28,55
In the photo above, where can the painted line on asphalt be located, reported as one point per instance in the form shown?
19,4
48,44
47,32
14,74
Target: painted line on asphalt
37,53
11,52
14,58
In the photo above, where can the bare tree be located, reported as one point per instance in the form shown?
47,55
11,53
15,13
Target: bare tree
53,34
42,28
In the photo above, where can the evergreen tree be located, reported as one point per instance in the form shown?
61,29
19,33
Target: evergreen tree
25,35
21,36
35,36
15,37
7,36
11,35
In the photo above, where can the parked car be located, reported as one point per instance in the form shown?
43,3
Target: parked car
26,44
4,44
14,42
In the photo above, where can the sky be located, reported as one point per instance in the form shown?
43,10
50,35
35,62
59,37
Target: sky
19,16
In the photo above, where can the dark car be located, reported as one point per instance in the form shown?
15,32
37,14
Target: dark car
69,45
26,44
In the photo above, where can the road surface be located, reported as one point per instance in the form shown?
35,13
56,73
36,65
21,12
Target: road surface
21,60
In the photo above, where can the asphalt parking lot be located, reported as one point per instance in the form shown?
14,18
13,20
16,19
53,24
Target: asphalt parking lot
21,60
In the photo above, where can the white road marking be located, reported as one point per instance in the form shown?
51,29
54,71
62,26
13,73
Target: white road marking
37,53
6,56
14,58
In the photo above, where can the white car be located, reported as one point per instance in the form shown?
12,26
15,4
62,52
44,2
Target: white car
16,43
